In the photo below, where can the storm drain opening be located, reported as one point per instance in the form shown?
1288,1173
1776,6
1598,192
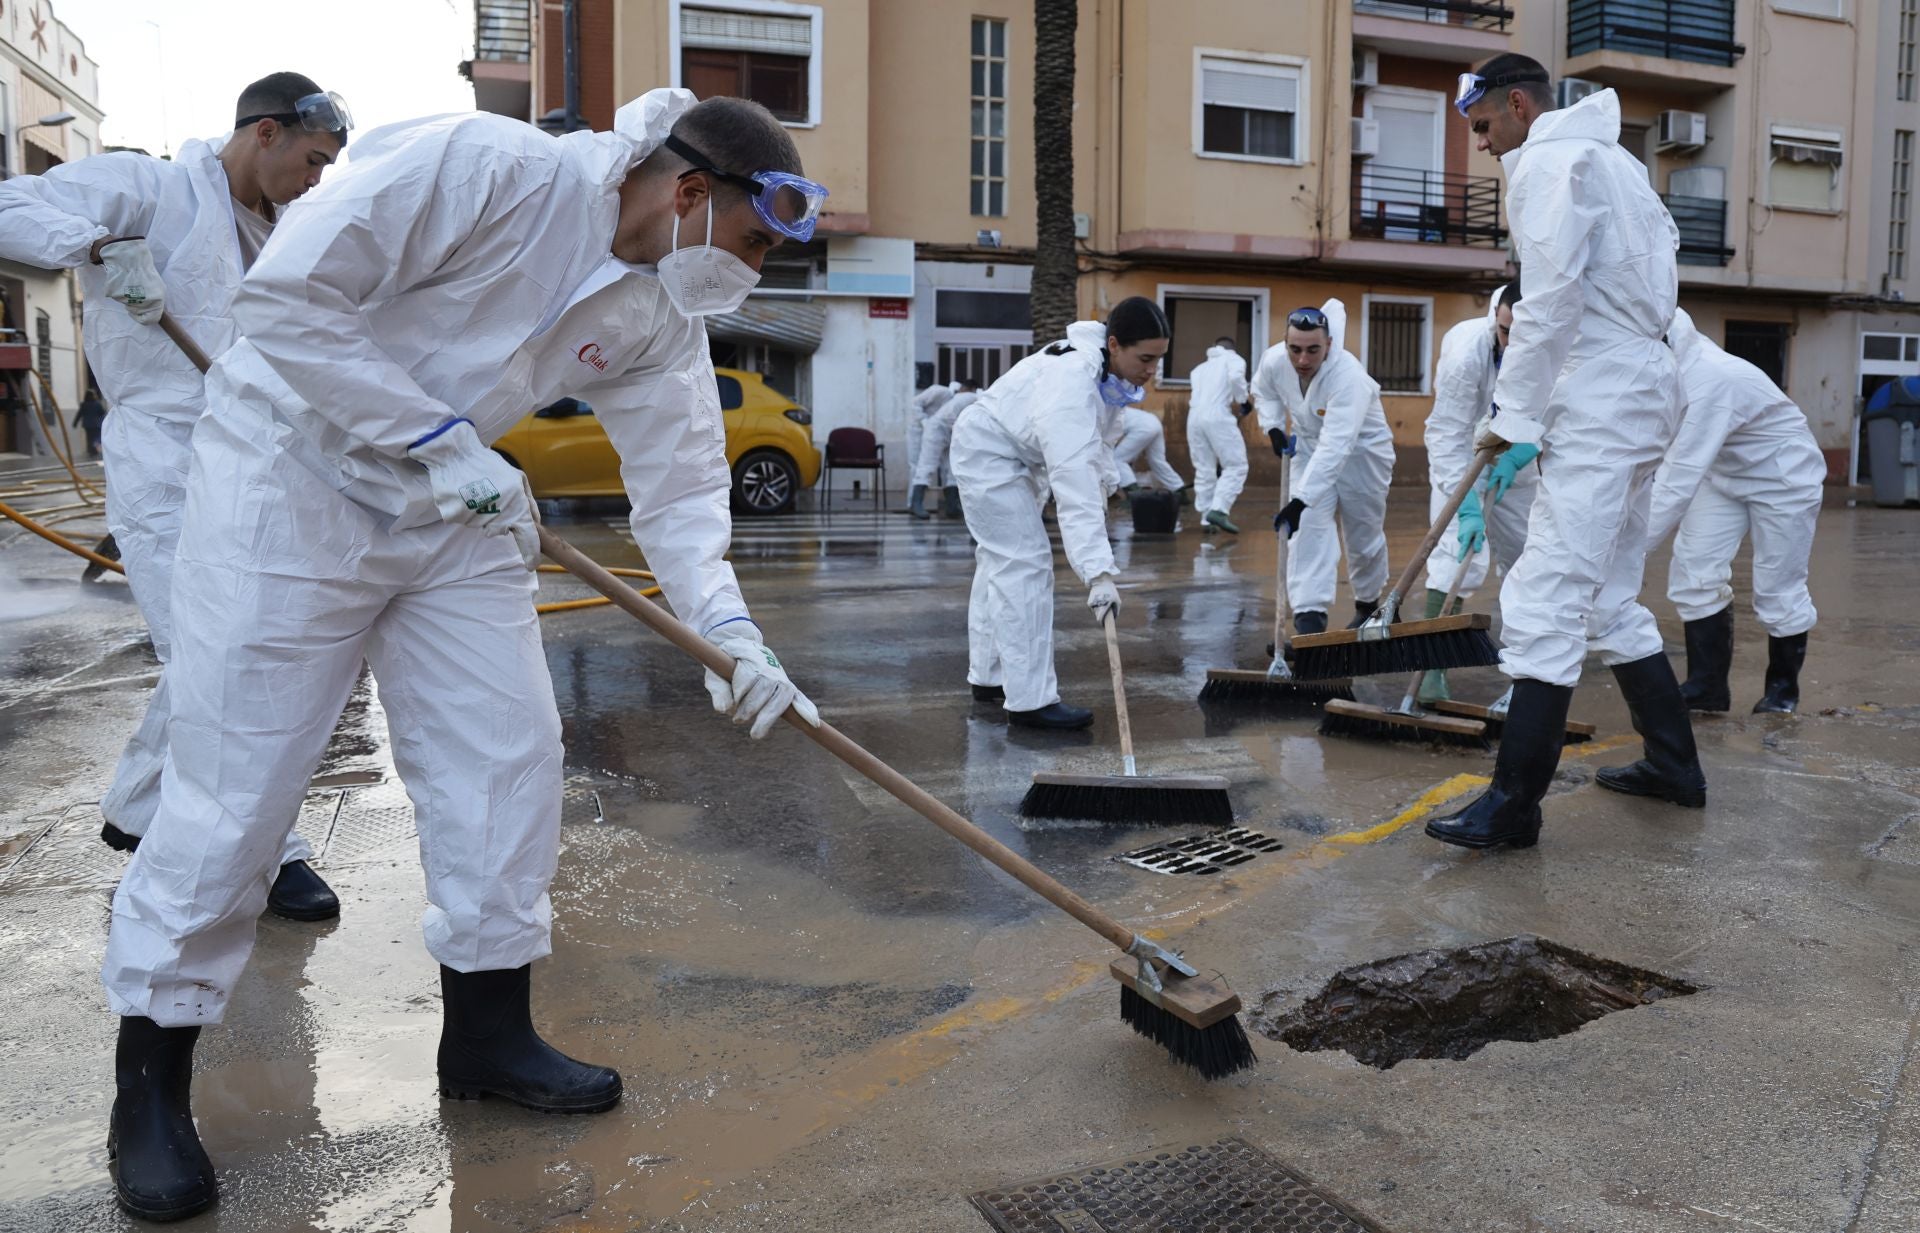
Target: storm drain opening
1453,1003
1208,852
1226,1185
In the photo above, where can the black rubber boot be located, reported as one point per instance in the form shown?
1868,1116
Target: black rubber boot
301,894
1709,659
1058,716
118,839
1364,608
989,693
917,502
950,501
488,1048
1186,496
1508,812
1784,659
1671,769
160,1171
1309,622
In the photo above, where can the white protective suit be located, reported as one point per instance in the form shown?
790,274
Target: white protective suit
1587,378
1039,426
185,210
1745,459
936,439
1214,442
1341,467
1135,433
388,304
1462,398
925,404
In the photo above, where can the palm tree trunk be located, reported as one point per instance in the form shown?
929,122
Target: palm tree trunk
1056,267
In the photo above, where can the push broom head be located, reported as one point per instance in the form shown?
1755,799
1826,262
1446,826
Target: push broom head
1255,691
1402,647
1374,723
1190,800
1577,732
1194,1019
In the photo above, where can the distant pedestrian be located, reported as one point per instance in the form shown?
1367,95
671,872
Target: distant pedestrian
90,417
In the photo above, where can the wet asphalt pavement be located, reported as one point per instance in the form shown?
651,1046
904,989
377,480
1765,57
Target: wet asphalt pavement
830,1016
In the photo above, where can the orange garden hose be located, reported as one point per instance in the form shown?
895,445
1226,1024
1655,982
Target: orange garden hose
54,537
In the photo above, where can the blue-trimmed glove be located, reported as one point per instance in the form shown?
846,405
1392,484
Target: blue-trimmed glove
474,486
760,691
1506,467
1473,525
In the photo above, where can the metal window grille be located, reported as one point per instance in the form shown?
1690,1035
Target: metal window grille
988,172
1902,201
503,31
1396,346
1904,61
43,345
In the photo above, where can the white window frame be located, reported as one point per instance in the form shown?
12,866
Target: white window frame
1367,301
1260,297
1302,117
1837,194
987,178
1815,9
1432,100
772,8
1907,51
1902,367
1900,204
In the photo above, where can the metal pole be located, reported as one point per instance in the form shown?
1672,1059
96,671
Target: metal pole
570,51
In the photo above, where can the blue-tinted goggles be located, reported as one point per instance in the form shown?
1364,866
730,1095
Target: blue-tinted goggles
788,203
1472,87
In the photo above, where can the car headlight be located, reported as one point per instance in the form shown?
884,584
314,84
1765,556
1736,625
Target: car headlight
799,415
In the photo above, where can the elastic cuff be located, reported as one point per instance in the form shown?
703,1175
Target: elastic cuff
436,432
730,621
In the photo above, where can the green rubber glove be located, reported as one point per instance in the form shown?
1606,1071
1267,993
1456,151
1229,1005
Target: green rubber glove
1510,464
1473,525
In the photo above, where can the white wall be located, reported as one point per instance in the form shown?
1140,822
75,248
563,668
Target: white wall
863,378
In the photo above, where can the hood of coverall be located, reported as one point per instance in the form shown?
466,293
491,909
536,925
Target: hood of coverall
1683,336
1088,336
639,127
1336,310
1594,118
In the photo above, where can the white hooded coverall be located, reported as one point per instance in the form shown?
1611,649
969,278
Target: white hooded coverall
1341,468
1135,433
185,210
1039,426
387,305
1587,378
1462,398
925,404
936,439
1213,430
1745,459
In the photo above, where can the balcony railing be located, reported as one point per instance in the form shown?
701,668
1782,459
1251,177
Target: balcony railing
1703,229
1474,14
1698,31
1426,207
503,30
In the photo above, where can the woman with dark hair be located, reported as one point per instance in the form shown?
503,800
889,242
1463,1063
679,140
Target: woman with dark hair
1038,428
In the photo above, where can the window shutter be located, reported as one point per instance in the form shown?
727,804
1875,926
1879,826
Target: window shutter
1257,87
719,30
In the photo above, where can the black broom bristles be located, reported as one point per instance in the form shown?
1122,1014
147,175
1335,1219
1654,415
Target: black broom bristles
1214,1052
1291,698
1383,728
1126,803
1454,648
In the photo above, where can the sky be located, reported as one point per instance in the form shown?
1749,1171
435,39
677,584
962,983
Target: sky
170,70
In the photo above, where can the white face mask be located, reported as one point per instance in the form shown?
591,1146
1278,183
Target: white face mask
702,280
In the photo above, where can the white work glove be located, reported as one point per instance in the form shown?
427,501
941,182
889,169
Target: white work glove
1104,598
474,486
760,691
1487,439
133,279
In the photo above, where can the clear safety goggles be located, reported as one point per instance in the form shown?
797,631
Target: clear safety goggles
325,112
788,203
1472,87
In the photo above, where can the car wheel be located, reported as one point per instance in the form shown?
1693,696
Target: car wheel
765,482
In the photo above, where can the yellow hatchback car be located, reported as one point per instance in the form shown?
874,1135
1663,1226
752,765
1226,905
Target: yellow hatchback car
565,452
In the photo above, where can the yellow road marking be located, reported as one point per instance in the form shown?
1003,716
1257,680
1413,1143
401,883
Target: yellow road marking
1423,805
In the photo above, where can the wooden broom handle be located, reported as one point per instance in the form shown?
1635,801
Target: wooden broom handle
184,341
1413,685
1418,561
1119,692
1282,602
840,746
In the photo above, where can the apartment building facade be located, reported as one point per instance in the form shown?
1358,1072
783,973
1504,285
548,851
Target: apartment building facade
1235,159
49,114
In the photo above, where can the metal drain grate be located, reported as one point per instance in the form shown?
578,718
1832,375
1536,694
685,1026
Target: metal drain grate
1209,852
67,854
1226,1185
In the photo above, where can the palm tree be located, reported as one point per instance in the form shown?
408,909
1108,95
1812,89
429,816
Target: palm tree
1056,267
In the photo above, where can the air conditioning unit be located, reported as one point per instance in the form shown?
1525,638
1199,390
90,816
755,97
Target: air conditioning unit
1682,130
1366,68
1573,89
1366,137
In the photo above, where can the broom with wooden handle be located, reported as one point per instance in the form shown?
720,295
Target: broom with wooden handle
1384,644
1162,996
1406,722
